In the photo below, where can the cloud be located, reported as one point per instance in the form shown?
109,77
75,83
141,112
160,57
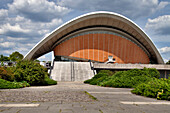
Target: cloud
16,39
164,50
7,44
38,10
3,14
1,39
42,58
159,25
129,8
6,28
23,23
46,57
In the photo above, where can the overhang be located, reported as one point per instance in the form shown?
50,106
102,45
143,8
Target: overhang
95,19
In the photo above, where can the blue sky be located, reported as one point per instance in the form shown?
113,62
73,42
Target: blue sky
23,23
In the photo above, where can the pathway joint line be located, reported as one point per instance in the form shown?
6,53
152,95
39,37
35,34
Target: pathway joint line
146,103
111,92
19,105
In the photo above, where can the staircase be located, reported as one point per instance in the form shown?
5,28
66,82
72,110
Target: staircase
71,71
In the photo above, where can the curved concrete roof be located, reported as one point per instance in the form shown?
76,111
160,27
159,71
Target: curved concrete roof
95,19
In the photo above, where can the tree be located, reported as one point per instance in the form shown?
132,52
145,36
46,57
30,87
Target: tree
168,62
16,56
4,58
36,60
30,71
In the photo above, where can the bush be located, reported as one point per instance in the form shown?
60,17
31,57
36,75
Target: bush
152,72
30,72
145,82
108,72
6,74
102,75
4,84
130,78
156,88
48,81
123,79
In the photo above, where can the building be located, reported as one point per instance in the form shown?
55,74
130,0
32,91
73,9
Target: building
99,37
96,36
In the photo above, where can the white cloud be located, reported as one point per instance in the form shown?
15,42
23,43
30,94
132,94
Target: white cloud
164,50
1,39
7,44
16,39
42,58
3,14
159,25
38,10
6,51
129,8
25,22
12,28
47,57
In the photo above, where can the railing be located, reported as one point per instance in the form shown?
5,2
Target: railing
92,67
72,72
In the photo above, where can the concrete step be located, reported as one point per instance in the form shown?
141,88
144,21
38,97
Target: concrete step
71,71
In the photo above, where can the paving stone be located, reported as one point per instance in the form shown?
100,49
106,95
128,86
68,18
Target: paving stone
71,98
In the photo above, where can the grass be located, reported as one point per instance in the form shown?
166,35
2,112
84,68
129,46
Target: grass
4,84
91,96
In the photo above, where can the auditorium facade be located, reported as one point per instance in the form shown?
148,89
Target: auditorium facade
97,36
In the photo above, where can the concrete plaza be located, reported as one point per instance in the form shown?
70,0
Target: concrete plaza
71,98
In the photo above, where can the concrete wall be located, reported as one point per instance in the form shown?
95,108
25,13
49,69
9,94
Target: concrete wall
163,69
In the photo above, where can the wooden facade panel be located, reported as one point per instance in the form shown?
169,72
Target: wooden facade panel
100,36
81,46
95,46
90,47
110,45
86,44
106,45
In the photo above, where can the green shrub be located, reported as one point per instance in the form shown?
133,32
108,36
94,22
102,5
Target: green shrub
6,74
130,78
108,72
155,88
30,72
48,81
4,84
145,82
123,79
152,72
97,78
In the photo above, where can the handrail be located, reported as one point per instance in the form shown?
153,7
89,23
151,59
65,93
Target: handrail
92,67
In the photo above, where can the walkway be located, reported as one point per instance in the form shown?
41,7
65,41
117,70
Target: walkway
70,97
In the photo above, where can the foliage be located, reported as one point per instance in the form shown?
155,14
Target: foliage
48,81
4,84
108,72
145,82
4,58
102,75
168,62
36,60
129,79
6,74
155,88
16,56
30,71
91,96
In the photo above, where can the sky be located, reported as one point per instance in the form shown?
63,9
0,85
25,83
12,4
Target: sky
23,23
